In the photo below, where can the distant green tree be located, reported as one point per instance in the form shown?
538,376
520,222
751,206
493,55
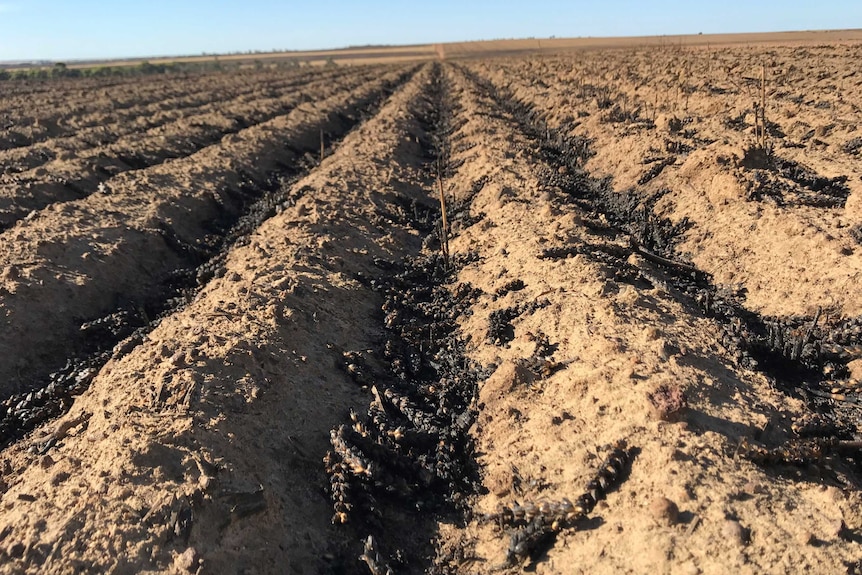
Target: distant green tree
60,70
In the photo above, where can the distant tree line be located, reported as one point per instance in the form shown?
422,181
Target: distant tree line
62,70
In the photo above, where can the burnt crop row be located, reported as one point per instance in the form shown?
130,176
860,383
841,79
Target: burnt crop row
253,201
806,356
641,110
409,461
535,525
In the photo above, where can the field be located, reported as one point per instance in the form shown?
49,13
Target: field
586,311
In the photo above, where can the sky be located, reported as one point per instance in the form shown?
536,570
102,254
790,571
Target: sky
93,29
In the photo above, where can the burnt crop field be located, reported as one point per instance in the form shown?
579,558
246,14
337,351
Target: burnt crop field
587,312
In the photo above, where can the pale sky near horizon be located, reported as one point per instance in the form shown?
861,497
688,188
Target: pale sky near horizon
83,29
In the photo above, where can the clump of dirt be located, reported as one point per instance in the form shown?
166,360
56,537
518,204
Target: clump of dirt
668,403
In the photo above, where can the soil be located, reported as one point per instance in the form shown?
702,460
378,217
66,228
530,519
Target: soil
634,347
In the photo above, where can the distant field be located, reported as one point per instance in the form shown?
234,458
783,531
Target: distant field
458,50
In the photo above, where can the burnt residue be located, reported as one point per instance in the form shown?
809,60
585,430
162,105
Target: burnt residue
656,169
410,458
853,147
516,284
533,526
783,182
408,461
500,328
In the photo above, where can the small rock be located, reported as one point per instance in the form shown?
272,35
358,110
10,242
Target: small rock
805,538
664,511
46,462
651,333
855,368
187,560
666,350
754,488
685,495
835,494
59,478
608,289
734,532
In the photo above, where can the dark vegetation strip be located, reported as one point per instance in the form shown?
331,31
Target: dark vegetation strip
61,70
806,356
409,461
119,332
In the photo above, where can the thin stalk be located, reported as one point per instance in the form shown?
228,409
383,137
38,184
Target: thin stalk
763,105
444,233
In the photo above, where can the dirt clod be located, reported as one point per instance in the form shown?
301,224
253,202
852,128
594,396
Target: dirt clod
734,532
188,560
668,402
664,511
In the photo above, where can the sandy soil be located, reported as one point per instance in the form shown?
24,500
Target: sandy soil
197,444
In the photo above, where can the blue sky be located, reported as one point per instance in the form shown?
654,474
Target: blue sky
71,29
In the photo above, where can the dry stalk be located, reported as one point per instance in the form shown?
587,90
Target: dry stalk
444,232
760,116
322,147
